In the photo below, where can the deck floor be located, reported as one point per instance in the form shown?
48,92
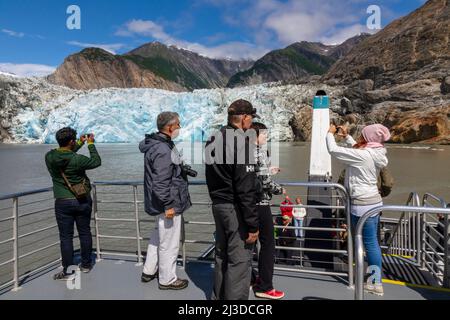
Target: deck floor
120,280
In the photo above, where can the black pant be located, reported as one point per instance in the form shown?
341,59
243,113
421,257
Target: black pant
67,213
266,259
285,256
233,261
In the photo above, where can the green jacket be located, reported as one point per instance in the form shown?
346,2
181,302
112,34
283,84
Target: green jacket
74,166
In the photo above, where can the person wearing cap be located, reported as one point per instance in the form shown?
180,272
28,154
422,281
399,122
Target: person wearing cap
231,181
363,159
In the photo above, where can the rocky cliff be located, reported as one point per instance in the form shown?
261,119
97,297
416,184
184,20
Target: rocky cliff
400,77
411,48
20,94
94,68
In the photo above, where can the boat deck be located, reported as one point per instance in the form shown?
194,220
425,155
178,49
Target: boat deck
120,280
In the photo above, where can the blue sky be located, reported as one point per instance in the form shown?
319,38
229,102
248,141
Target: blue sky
34,38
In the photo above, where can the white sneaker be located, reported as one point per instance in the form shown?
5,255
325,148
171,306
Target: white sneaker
376,289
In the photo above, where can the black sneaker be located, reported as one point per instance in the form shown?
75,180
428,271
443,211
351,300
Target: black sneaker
179,284
63,276
85,269
147,277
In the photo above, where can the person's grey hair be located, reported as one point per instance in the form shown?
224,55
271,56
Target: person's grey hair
166,118
233,119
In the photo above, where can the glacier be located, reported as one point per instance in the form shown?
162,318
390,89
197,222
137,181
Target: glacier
126,115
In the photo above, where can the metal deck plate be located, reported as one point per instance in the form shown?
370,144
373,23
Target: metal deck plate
120,280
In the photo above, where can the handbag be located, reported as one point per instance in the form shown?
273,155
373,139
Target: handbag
385,182
79,190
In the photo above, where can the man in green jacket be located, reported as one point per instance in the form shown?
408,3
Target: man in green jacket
71,205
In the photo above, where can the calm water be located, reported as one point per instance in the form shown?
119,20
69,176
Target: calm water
417,168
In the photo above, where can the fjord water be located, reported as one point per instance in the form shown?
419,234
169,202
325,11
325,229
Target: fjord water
415,168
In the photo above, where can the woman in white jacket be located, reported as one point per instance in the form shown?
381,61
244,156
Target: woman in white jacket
364,160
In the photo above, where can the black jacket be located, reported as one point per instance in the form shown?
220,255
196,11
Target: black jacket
164,185
230,181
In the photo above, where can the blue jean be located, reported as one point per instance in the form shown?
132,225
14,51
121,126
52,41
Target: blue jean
69,212
370,240
299,224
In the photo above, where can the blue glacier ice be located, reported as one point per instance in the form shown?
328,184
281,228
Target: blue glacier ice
126,115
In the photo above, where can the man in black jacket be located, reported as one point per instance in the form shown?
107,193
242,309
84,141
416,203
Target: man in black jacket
166,197
231,180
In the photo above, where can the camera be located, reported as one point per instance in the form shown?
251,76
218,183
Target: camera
188,171
88,135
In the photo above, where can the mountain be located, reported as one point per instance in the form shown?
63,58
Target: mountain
184,67
411,48
339,51
153,65
295,61
401,76
95,68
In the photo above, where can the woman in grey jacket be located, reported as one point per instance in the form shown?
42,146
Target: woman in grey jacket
364,160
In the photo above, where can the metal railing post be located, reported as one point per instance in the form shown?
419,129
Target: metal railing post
97,235
359,291
446,279
138,230
401,237
423,240
413,236
351,277
418,241
16,256
409,235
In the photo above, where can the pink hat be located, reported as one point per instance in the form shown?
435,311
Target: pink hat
375,135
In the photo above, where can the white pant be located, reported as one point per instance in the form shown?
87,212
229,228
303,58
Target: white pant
162,252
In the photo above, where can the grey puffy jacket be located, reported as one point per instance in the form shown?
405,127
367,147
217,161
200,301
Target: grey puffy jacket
164,185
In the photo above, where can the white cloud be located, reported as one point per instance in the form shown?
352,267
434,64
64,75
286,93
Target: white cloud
112,48
270,24
230,50
306,21
27,69
278,23
146,28
13,33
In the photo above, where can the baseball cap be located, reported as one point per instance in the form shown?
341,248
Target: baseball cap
241,107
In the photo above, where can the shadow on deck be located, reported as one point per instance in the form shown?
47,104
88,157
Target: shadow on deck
120,280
